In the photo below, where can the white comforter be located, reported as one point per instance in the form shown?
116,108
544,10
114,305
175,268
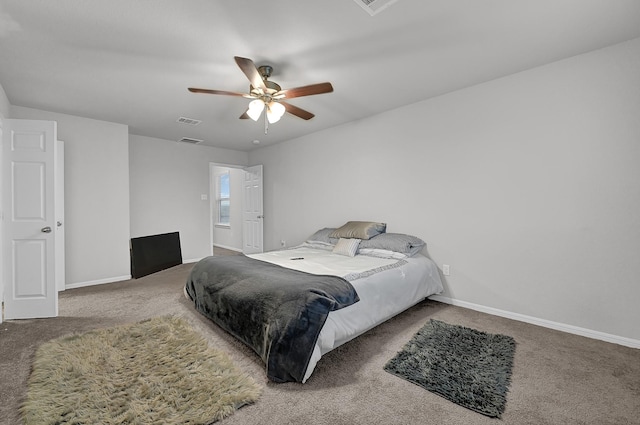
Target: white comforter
388,289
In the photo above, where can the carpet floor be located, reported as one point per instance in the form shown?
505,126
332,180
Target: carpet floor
157,371
557,378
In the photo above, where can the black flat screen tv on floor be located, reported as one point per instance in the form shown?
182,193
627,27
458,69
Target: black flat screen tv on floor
151,254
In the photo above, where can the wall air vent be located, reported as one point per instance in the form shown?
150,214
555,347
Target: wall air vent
374,6
190,121
190,140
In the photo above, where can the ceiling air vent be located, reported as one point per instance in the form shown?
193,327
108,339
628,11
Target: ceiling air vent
190,140
190,121
374,6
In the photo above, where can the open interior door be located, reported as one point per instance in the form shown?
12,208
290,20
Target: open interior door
252,215
29,219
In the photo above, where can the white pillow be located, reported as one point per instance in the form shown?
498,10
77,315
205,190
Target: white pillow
382,253
318,245
347,247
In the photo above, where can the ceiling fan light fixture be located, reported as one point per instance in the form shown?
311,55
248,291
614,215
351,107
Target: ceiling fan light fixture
264,92
275,111
255,109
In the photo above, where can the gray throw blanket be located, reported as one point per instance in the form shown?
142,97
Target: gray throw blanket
276,311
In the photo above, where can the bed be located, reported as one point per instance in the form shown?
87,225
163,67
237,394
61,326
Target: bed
293,306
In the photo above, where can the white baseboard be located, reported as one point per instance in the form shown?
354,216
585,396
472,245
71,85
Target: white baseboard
97,282
227,247
191,260
615,339
113,279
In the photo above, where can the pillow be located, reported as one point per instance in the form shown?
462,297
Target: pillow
382,253
322,235
347,247
318,245
397,242
359,230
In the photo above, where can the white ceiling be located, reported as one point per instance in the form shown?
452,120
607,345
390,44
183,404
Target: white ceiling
131,61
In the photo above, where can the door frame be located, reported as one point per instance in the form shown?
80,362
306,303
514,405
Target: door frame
1,220
212,197
60,221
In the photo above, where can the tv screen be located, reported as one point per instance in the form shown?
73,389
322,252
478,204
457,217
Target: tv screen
151,254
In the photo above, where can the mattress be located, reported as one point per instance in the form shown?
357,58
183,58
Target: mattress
386,287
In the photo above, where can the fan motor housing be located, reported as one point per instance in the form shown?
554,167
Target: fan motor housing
271,86
265,71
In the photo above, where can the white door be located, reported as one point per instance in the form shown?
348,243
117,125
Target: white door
29,219
252,215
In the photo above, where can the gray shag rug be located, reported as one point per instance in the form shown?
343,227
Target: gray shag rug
158,371
463,365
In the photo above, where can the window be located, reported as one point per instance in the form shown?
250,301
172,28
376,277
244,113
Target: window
223,199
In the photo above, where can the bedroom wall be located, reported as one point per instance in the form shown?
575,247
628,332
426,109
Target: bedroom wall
167,180
4,104
96,196
528,186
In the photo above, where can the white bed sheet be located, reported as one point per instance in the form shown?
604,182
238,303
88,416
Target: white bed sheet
323,261
382,295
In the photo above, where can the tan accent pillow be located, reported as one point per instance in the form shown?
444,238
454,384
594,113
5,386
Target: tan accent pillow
359,230
348,247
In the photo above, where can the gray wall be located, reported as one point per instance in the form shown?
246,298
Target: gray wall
4,104
96,196
110,197
117,188
167,180
528,186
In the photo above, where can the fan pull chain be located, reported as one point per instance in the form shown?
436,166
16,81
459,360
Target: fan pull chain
266,122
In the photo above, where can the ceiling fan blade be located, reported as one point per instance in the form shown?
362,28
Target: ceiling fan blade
208,91
305,91
298,112
245,116
249,68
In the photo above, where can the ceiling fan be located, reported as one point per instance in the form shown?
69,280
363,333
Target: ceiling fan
269,95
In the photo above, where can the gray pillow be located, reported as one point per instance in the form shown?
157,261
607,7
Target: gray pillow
397,242
322,235
359,230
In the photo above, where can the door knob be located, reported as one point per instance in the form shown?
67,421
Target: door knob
46,229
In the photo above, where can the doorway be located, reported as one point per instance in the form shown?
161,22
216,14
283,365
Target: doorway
236,215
